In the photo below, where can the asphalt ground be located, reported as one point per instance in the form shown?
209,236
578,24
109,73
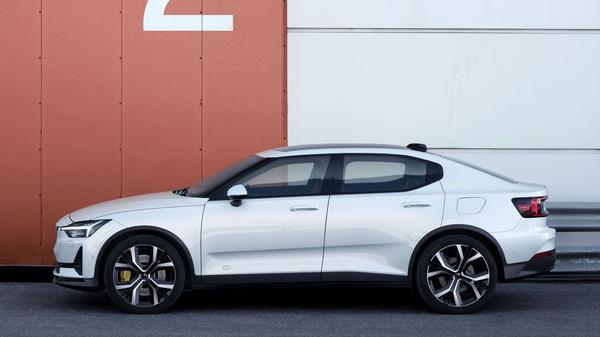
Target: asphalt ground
518,309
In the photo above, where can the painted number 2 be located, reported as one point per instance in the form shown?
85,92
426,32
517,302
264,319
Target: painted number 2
156,20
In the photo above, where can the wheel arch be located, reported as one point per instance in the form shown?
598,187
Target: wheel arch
468,230
145,230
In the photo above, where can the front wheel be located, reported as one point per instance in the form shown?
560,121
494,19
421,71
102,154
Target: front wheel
144,274
456,274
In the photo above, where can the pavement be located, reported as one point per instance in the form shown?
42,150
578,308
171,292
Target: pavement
546,308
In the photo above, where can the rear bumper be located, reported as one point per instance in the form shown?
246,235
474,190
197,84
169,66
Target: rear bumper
529,268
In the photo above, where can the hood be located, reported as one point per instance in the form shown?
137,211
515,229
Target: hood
136,203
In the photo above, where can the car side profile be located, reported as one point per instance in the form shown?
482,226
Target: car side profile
361,214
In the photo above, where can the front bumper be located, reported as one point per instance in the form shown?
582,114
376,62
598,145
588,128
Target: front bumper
77,283
77,258
529,268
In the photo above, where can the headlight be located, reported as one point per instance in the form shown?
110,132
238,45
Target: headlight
83,229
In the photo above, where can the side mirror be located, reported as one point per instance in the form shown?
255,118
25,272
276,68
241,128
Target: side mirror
236,194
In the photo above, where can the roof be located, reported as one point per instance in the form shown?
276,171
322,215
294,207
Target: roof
333,146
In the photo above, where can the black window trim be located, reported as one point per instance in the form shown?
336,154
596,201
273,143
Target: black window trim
326,186
332,182
339,164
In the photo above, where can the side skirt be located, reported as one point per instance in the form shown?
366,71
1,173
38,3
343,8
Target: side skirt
332,279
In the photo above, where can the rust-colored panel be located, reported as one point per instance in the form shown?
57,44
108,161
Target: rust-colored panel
161,102
243,82
81,115
165,132
20,132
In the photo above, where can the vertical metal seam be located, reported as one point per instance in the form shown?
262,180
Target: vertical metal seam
41,193
202,95
284,130
122,148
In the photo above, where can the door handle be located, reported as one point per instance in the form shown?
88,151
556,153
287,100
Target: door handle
415,204
303,208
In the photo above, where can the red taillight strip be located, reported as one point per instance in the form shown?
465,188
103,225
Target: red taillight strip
542,255
531,207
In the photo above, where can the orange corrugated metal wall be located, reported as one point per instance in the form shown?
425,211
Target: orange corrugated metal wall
93,108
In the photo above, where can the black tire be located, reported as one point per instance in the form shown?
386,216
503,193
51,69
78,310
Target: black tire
157,288
472,295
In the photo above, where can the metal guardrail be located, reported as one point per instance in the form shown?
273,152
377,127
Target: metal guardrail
577,237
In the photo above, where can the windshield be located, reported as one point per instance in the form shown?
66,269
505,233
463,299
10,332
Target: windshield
210,183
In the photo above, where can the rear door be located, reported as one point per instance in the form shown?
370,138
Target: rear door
382,206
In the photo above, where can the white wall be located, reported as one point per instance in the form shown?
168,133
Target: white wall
531,14
571,175
514,84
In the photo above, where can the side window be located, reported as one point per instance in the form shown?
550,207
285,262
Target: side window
383,173
288,176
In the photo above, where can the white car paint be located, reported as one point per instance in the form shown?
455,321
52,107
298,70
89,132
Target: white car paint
362,233
263,236
376,233
135,203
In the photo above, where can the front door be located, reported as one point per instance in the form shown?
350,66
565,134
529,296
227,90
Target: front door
277,233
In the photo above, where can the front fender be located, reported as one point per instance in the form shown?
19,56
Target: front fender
179,225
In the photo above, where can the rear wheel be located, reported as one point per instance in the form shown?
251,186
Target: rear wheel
456,274
144,274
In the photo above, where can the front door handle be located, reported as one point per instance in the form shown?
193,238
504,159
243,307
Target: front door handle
415,204
303,208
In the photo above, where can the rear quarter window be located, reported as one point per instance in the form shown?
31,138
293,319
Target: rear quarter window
368,173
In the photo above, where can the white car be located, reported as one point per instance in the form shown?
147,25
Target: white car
342,213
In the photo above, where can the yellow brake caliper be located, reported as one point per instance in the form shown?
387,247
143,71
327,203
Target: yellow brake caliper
124,276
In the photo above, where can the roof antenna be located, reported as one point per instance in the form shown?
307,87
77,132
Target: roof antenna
417,147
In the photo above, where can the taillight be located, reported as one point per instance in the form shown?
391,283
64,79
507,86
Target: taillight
531,207
548,253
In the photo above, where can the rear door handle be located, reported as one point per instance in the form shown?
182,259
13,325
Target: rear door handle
303,208
415,204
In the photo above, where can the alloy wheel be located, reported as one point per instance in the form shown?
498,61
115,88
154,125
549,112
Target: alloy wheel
144,275
458,275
